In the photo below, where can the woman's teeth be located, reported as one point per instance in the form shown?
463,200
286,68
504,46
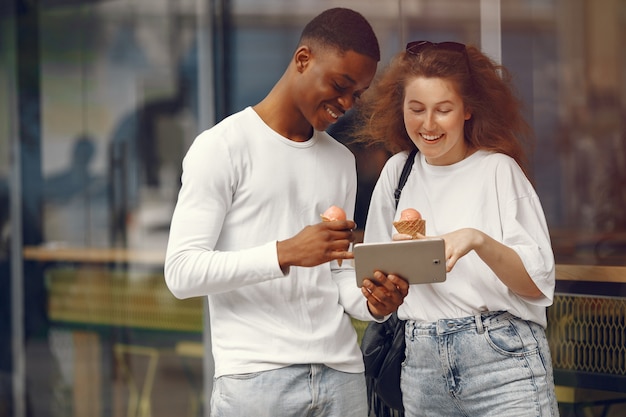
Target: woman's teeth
431,137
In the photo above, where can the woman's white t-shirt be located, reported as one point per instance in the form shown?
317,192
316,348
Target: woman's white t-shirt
486,191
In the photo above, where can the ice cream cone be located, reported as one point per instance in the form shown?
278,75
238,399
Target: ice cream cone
411,227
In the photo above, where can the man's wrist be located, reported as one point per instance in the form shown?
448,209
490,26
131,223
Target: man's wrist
374,315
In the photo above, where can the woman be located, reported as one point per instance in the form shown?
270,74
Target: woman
476,344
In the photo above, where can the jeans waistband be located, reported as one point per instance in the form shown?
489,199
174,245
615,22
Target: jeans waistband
480,322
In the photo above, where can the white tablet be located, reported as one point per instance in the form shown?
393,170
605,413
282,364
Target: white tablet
420,261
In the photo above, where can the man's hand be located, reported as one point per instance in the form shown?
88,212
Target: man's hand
317,244
384,293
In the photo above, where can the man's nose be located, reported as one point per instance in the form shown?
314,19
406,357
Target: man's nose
346,101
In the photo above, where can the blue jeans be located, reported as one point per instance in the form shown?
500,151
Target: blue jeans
294,391
494,364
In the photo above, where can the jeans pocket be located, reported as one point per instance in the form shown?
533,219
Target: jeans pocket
512,338
241,377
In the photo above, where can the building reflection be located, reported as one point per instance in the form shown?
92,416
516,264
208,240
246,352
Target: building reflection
102,99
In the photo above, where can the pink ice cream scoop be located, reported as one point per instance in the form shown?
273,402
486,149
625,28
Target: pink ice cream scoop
410,214
333,213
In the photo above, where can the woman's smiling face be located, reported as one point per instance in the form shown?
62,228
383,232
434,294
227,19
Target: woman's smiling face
434,116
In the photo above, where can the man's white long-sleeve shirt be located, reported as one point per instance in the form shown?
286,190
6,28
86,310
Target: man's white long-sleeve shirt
245,187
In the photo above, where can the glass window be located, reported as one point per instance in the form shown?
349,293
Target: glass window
113,113
100,100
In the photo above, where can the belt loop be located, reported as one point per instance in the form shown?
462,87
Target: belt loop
479,324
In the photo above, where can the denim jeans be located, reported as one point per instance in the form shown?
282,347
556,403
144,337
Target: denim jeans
294,391
493,364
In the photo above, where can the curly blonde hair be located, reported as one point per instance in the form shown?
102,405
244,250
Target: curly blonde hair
497,123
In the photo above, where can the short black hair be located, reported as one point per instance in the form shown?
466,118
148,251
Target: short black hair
343,29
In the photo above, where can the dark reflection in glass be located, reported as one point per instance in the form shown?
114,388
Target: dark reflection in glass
115,83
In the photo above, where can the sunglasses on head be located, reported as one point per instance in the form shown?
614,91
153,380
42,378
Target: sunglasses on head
416,47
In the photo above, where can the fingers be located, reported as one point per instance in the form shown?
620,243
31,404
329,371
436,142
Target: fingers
338,231
450,263
324,242
401,284
387,285
384,293
339,238
402,236
339,225
342,255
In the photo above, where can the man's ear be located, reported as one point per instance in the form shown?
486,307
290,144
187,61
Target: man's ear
302,57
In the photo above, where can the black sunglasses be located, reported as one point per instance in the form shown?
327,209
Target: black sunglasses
417,47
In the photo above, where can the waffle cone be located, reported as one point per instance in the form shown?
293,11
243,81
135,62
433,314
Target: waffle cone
411,227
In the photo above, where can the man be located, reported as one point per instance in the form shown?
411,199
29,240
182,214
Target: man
246,232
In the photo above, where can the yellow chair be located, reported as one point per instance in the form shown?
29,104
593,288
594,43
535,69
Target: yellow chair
139,398
194,350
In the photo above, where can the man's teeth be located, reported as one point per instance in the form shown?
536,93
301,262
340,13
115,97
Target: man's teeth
431,137
332,113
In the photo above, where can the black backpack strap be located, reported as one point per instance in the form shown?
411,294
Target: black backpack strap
405,174
377,335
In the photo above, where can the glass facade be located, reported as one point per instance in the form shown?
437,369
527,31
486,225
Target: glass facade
99,101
